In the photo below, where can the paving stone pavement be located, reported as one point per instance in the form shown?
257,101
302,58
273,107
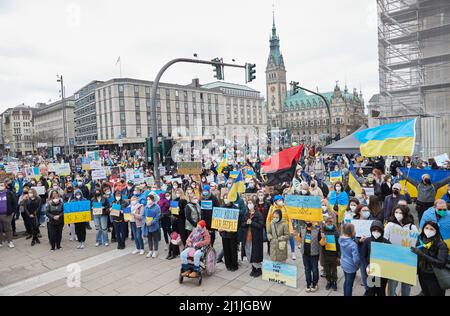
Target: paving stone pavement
37,271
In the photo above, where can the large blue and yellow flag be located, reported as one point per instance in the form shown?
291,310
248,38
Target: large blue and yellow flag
437,178
396,139
222,164
352,180
238,187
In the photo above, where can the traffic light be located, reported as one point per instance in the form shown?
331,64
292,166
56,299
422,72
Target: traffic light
295,86
250,72
149,149
218,69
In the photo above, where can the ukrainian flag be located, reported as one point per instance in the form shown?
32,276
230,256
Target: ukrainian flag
393,262
352,181
222,165
397,139
238,187
336,176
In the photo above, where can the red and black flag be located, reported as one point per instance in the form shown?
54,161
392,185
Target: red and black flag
281,167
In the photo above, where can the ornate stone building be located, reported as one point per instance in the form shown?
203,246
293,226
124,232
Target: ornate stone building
304,117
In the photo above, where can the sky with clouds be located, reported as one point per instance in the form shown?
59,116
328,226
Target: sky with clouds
322,41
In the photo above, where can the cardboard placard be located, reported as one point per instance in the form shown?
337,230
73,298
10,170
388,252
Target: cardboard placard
190,168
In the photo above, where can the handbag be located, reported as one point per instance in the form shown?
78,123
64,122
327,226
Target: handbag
443,276
281,244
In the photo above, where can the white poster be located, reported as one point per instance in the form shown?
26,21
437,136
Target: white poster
441,160
362,227
99,174
12,168
39,190
95,164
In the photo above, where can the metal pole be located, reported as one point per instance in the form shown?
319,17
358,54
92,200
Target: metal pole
330,126
153,104
63,97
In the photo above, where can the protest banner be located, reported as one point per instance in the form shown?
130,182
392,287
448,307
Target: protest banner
95,164
305,208
175,208
225,219
40,190
335,176
206,205
86,164
441,160
369,191
362,227
127,214
97,208
77,212
12,168
115,210
53,167
393,262
99,174
280,273
136,176
189,168
210,178
403,237
64,170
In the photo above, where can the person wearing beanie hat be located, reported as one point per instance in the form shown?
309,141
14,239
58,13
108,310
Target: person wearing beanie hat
197,240
376,286
391,201
207,204
278,204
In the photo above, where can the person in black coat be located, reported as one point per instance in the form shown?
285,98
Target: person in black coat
252,226
376,286
207,210
179,221
32,207
432,253
55,213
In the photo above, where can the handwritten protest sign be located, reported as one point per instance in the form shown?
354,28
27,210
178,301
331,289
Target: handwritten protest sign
64,170
115,210
95,164
77,212
12,168
99,174
305,208
403,237
369,191
97,208
225,219
362,227
280,273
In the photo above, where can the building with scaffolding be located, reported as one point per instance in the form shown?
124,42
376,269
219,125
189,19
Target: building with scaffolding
414,57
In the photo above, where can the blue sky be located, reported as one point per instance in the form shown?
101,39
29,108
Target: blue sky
322,41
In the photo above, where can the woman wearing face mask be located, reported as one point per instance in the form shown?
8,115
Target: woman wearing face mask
101,219
339,201
403,221
80,228
432,253
362,212
152,213
192,212
33,207
350,213
263,207
68,197
251,187
252,226
376,286
55,214
278,204
278,235
315,190
230,240
427,191
137,211
386,187
179,221
164,205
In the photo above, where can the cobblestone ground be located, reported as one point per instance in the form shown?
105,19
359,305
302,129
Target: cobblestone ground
27,270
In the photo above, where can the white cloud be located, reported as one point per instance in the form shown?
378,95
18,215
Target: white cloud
322,41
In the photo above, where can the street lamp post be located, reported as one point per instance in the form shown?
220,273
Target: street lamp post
216,62
63,98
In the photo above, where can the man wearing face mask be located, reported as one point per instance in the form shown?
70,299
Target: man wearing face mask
392,200
376,286
426,191
7,211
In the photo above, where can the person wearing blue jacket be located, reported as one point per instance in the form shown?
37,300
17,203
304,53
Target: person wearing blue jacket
440,215
152,213
350,259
